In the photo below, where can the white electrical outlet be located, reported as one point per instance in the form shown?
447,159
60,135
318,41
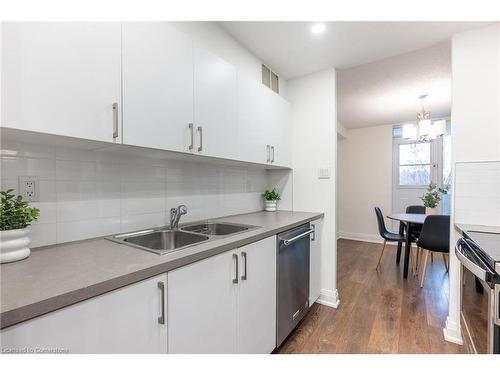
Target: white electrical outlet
29,188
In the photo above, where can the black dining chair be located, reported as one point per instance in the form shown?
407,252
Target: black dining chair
415,230
385,234
435,237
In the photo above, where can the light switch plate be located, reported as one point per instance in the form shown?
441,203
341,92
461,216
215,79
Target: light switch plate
324,173
29,188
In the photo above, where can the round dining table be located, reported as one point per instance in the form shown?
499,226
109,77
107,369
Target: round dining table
406,220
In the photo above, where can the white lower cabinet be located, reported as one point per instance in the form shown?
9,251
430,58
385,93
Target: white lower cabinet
315,262
202,306
226,303
257,298
222,304
126,320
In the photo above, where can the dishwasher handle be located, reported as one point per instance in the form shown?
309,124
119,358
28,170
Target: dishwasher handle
289,241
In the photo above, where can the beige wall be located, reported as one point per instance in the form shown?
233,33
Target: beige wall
364,180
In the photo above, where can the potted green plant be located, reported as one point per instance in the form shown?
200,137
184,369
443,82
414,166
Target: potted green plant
15,218
432,198
271,199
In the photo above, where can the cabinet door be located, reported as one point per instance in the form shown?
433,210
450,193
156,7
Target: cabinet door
281,127
215,105
157,86
252,128
202,306
122,321
257,297
62,78
315,262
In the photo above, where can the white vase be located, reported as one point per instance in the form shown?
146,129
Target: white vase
271,206
432,211
14,245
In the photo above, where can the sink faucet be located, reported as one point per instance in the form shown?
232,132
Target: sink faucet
175,215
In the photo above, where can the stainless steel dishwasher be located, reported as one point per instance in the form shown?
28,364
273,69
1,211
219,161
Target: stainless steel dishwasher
293,279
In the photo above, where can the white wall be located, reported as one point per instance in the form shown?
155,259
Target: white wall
476,94
475,116
314,145
85,194
365,181
216,39
477,193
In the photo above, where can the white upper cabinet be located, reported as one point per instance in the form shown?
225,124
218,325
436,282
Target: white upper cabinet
253,131
62,78
278,125
70,79
215,120
157,86
264,124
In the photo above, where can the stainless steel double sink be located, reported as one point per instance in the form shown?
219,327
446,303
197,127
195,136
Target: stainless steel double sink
165,240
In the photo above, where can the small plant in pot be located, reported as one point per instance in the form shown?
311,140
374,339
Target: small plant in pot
271,199
432,198
15,218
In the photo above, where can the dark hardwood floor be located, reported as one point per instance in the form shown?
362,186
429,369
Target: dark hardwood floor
379,311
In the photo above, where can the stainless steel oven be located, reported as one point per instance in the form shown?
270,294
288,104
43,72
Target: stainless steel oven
480,297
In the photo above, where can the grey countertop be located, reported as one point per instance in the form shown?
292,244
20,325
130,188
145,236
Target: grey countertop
60,275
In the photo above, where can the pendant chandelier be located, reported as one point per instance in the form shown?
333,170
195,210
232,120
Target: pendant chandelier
424,130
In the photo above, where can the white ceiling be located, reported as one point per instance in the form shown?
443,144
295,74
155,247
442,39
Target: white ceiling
291,50
387,91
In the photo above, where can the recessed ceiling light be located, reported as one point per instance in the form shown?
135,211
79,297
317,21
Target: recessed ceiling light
318,28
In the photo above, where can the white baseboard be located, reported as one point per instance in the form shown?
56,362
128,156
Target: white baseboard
329,298
365,237
452,332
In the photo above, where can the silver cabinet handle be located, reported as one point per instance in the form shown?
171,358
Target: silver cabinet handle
313,237
161,318
200,130
272,153
115,120
236,272
497,304
268,152
191,131
244,256
289,241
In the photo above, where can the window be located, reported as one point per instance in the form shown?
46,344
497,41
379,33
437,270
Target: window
270,79
415,164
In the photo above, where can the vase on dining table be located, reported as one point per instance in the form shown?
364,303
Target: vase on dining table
433,210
